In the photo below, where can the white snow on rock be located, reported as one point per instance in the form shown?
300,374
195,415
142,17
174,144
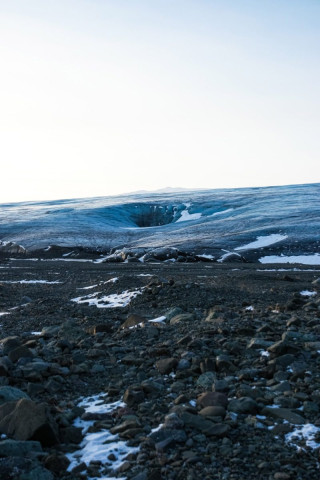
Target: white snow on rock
303,259
4,313
226,255
98,446
306,432
263,241
307,293
158,320
113,300
204,255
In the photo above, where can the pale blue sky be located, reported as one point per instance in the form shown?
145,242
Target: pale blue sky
99,97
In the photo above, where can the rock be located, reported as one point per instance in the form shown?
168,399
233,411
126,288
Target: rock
259,344
213,412
12,247
16,448
282,347
208,365
285,414
20,352
224,364
56,463
9,343
71,435
243,405
173,312
166,365
172,420
5,364
204,426
283,360
212,399
182,318
11,394
178,435
133,320
18,468
220,386
26,420
206,380
133,395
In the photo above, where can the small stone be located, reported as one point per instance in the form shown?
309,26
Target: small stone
212,399
166,365
243,405
206,380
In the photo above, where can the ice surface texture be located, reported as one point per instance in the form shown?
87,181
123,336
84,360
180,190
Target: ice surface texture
199,221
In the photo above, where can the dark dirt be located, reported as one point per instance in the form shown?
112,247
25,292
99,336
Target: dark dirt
229,307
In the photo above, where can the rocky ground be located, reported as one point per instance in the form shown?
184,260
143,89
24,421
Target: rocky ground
227,375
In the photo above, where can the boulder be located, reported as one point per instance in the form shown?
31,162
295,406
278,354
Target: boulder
27,420
285,414
16,448
20,352
12,247
9,343
243,405
11,394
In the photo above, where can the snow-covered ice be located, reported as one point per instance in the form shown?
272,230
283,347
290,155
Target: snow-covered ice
303,259
263,241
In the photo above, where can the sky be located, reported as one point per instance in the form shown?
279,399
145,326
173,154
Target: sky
102,97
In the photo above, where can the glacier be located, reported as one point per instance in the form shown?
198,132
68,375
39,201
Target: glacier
279,220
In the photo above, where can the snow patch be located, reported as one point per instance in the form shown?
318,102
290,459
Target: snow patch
158,320
306,432
30,281
307,293
303,259
186,216
4,313
263,241
114,300
98,446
